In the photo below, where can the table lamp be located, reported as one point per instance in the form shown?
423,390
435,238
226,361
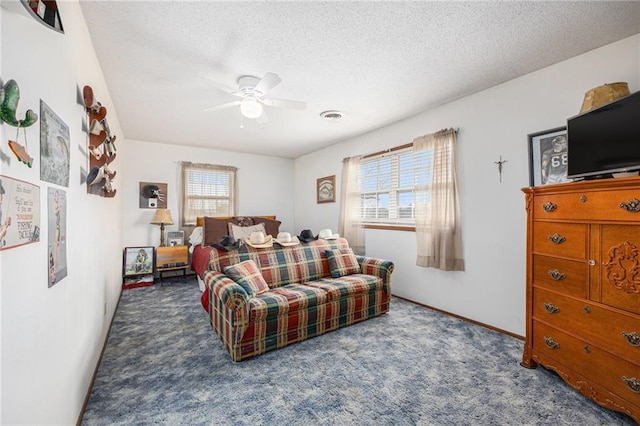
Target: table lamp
162,217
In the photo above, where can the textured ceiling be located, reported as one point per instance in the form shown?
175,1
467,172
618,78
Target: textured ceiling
378,62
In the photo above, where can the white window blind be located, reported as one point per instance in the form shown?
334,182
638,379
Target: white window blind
208,190
388,184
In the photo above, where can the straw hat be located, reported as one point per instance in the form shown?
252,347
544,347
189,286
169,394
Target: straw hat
257,239
285,239
604,94
327,234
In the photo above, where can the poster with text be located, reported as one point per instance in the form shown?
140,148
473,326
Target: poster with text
57,212
54,147
19,213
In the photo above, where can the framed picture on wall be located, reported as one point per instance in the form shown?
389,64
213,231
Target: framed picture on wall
153,195
548,157
325,189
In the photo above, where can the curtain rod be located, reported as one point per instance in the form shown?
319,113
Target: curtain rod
396,148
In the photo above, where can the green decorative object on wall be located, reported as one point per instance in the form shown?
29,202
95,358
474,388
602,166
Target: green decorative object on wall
9,97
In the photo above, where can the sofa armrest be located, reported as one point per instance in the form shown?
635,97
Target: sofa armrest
377,267
228,297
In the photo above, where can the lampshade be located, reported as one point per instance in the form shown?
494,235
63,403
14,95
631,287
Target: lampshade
250,107
162,217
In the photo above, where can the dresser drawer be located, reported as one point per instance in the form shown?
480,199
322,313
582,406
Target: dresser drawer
612,330
589,205
560,239
617,375
564,276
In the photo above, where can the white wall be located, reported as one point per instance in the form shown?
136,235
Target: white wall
265,185
491,123
52,337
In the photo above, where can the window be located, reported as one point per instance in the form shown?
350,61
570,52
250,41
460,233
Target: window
208,190
388,183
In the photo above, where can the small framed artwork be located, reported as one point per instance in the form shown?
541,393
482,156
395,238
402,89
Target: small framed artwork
54,147
153,195
45,12
326,189
548,157
138,261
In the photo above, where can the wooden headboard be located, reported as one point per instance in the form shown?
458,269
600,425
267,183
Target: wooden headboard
200,219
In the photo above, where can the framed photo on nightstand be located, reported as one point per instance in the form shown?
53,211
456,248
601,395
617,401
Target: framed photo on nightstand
175,238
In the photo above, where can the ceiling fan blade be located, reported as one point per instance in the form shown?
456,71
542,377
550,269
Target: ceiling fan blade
284,103
268,82
223,106
222,87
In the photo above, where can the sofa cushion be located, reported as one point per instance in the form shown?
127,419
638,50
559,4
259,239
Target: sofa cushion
248,275
342,262
313,260
286,299
343,287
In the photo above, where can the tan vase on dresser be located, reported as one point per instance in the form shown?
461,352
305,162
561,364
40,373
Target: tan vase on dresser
583,288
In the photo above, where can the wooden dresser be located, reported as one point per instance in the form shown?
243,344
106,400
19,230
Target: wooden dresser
583,288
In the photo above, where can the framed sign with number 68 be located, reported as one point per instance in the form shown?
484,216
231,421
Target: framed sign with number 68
548,157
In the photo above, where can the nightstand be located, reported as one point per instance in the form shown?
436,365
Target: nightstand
172,258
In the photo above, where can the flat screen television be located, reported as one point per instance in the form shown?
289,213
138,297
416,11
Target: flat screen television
605,140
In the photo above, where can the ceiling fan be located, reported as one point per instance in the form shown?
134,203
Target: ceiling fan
252,93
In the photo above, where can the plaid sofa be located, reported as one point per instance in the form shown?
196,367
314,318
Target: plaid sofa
303,299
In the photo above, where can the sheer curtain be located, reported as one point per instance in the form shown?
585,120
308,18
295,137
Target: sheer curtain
350,225
438,215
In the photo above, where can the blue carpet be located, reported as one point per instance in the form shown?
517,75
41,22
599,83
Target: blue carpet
164,365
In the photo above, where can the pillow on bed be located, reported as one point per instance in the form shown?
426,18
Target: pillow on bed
248,275
238,232
213,230
196,236
272,226
342,262
243,221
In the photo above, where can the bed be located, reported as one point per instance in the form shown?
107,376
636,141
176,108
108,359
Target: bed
210,230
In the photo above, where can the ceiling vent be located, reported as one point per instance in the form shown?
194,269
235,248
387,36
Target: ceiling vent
331,115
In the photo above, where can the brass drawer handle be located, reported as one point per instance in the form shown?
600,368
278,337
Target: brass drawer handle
551,344
633,383
551,308
556,238
556,275
632,338
587,349
549,207
587,309
583,198
632,206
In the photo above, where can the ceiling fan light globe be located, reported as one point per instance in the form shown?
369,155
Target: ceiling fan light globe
251,108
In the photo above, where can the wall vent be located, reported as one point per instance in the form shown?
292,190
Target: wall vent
331,115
